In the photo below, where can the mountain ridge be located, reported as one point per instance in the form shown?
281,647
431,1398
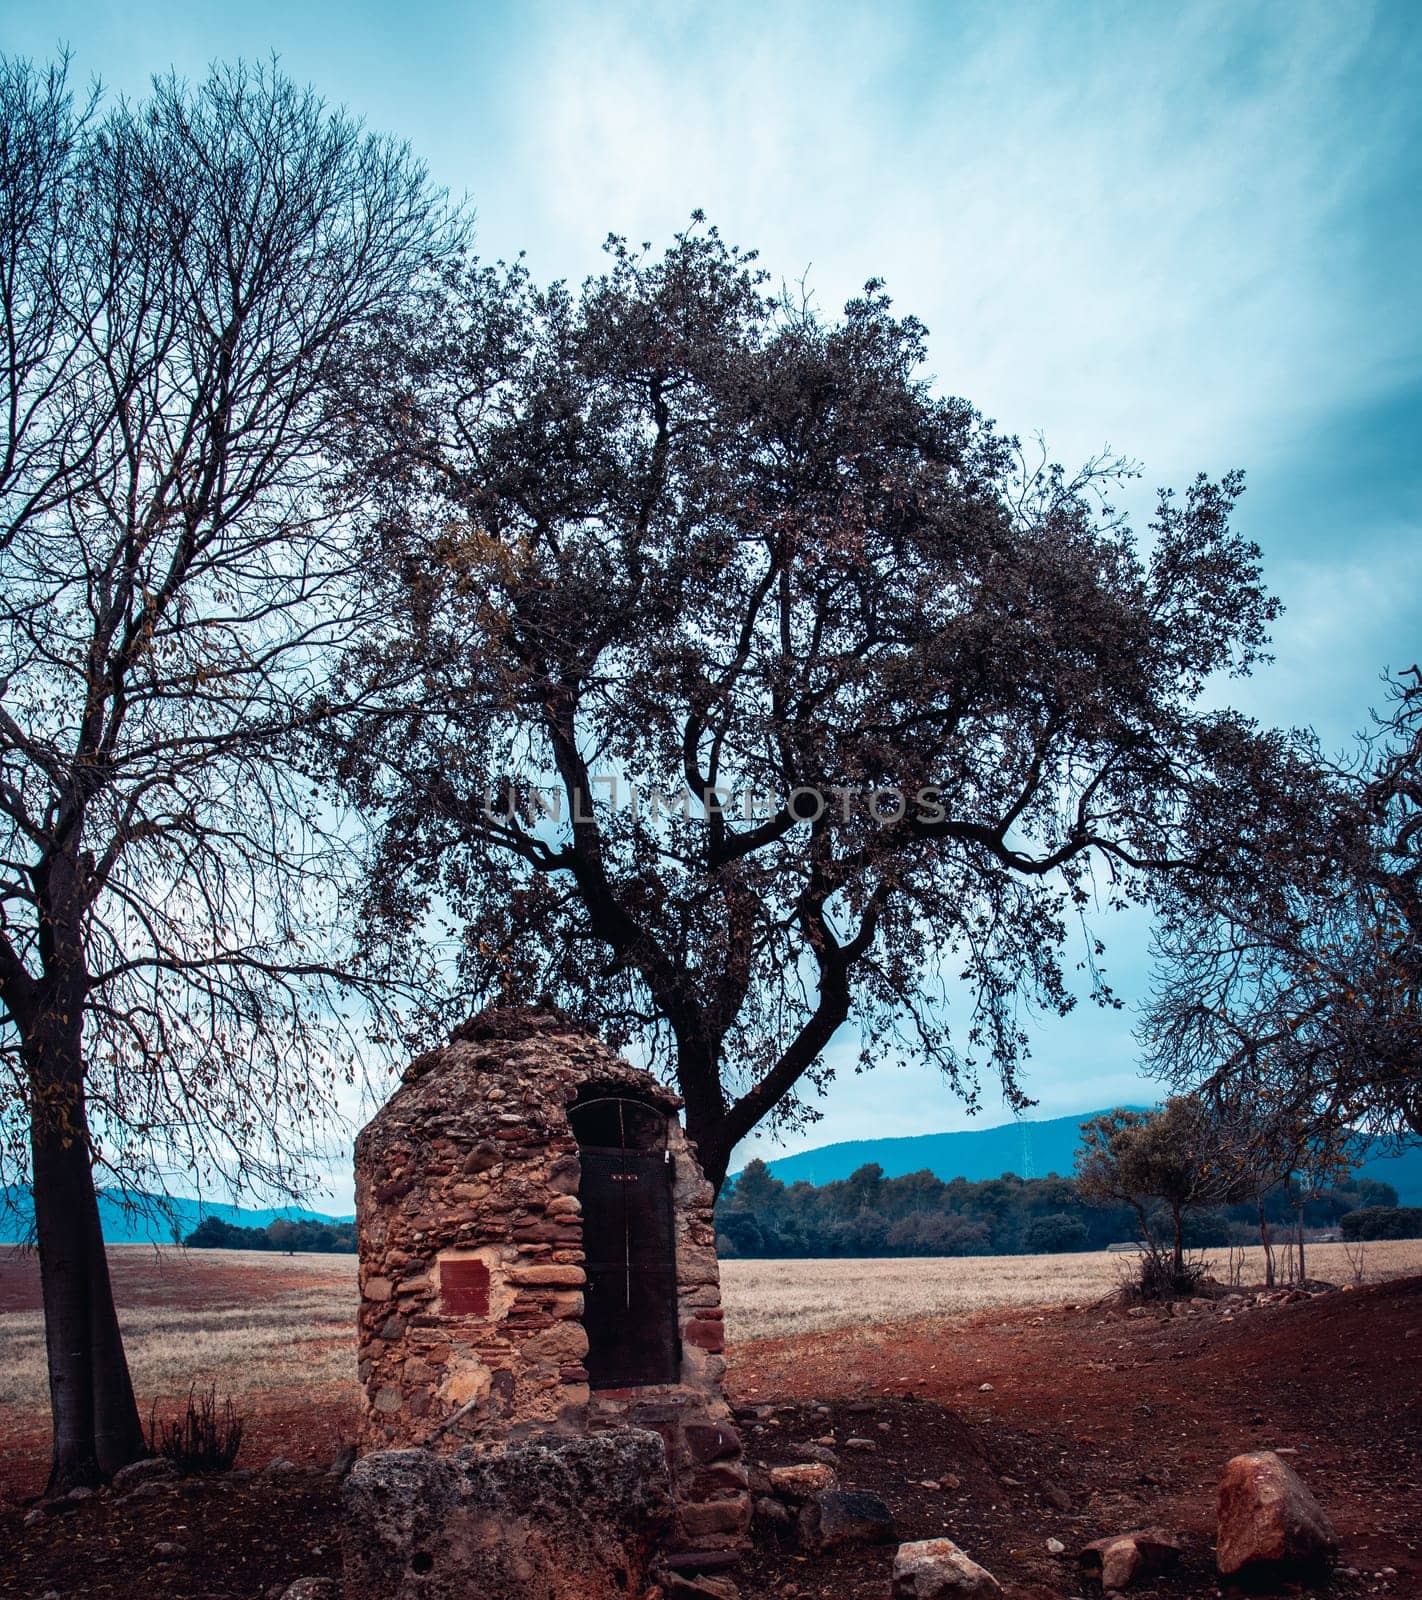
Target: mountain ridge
142,1218
1051,1145
971,1153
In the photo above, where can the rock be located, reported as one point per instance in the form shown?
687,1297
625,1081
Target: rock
703,1519
1122,1559
342,1461
312,1589
803,1481
771,1512
278,1467
950,1480
860,1444
552,1519
152,1490
984,1388
1055,1547
936,1569
1055,1495
152,1469
32,1519
1268,1519
165,1550
816,1452
700,1586
839,1517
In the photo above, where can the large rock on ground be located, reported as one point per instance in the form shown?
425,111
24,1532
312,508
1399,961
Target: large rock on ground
151,1469
1126,1558
839,1517
313,1589
802,1481
1268,1519
565,1519
936,1569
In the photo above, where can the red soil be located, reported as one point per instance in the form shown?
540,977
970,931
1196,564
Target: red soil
1094,1423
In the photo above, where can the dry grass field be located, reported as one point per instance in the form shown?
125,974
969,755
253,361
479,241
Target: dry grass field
774,1299
256,1323
249,1321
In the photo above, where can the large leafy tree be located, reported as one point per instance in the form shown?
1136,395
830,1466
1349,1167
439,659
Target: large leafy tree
927,702
178,278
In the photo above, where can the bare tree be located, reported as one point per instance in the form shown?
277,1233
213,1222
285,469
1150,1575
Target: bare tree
177,282
1298,986
918,702
1269,1144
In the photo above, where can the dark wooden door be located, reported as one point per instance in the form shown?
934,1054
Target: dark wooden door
630,1243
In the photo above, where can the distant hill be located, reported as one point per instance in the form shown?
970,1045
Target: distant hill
143,1224
979,1153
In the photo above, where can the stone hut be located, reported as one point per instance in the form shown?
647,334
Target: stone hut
537,1258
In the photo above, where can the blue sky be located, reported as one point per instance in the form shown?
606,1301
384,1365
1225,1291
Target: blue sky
1189,232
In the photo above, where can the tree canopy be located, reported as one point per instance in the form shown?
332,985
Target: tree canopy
1174,1155
756,687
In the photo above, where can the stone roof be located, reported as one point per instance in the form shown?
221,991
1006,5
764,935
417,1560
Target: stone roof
506,1067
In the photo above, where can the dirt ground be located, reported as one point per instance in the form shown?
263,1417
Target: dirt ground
1091,1423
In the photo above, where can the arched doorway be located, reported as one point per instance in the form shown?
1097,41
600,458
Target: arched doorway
629,1241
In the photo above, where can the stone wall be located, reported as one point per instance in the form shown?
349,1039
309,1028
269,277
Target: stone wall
471,1266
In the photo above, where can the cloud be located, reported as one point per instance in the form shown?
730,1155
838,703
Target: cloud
1131,224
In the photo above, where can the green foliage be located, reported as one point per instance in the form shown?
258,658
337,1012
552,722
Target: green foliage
1055,1233
920,1214
1383,1222
1178,1156
280,1234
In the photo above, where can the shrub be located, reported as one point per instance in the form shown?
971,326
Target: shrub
1157,1277
1382,1222
203,1439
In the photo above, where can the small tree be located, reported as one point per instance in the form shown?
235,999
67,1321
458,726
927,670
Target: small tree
178,280
1171,1155
757,1189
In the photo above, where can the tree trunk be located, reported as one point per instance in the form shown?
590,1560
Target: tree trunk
699,1079
1178,1260
96,1424
1303,1265
1268,1246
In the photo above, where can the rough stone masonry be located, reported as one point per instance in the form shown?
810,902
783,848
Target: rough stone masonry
474,1321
